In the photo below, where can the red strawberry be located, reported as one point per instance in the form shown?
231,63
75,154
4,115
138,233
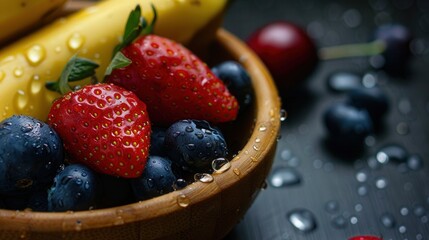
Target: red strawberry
173,82
104,127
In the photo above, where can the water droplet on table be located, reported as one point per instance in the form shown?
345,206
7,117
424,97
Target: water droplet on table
332,206
369,80
344,81
387,220
361,176
402,128
402,229
363,190
339,222
392,152
286,154
415,162
354,220
404,211
284,176
419,211
283,115
352,18
302,219
404,106
373,163
381,183
358,207
317,164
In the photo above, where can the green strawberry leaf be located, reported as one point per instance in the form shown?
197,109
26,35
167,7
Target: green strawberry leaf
118,61
76,69
136,26
82,68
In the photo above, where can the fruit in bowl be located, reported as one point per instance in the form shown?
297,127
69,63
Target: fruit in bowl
213,201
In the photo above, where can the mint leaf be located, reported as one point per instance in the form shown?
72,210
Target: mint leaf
118,61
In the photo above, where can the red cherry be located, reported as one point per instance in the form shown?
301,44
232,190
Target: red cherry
366,237
287,51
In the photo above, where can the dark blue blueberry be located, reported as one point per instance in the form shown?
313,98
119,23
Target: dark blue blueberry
374,100
158,178
194,144
347,125
30,154
115,191
75,188
157,141
397,53
237,81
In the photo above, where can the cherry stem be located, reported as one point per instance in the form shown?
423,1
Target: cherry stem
352,50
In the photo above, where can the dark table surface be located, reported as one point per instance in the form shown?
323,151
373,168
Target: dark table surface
347,195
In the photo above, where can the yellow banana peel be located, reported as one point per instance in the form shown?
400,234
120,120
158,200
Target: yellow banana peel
27,65
19,16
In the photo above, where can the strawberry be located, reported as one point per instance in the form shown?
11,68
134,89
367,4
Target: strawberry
173,82
102,126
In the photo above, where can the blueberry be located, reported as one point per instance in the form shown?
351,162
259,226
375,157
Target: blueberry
237,81
157,141
115,191
374,100
194,144
75,188
31,152
38,201
397,53
347,125
158,178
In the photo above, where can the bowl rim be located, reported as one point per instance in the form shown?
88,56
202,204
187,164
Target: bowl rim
264,135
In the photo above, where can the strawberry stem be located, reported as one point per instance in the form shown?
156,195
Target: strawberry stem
352,50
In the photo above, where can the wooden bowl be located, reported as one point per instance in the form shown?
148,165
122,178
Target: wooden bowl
200,210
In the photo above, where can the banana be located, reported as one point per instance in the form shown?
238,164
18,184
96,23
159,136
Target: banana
27,65
19,16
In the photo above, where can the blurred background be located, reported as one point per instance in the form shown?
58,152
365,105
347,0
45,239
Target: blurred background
313,191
